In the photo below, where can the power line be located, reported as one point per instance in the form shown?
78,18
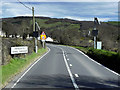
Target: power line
24,4
29,3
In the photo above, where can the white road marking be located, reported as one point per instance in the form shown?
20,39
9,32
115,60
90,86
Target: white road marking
76,75
96,62
69,71
68,59
71,65
30,68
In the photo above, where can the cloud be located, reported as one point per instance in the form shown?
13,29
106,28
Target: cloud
13,9
61,0
86,19
0,8
35,15
79,11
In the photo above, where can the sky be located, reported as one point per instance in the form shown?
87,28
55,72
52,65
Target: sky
82,10
62,0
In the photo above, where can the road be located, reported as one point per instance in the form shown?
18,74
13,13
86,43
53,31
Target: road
66,67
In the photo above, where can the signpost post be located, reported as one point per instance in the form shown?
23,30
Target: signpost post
35,34
43,38
95,32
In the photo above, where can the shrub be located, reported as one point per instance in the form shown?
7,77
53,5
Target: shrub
107,58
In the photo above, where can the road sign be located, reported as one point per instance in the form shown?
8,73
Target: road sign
94,32
99,45
19,50
35,34
43,36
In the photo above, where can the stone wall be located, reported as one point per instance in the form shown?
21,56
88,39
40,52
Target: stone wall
7,43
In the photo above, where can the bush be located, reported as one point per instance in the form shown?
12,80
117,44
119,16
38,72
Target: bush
107,58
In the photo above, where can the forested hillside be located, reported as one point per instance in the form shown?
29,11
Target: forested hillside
65,31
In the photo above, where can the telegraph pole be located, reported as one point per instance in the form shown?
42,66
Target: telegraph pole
34,31
33,19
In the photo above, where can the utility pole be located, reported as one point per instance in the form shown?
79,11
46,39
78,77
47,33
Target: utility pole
34,31
33,19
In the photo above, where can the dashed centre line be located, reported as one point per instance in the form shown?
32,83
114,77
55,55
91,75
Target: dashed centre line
71,65
68,59
69,71
76,75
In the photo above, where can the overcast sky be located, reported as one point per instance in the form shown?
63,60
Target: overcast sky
105,10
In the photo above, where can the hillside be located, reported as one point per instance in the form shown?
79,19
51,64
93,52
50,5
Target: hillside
65,31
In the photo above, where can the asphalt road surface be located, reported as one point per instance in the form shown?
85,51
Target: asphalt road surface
66,67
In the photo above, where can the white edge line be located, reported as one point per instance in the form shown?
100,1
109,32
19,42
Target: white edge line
69,71
30,68
76,75
96,62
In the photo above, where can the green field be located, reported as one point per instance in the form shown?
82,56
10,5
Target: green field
17,65
114,22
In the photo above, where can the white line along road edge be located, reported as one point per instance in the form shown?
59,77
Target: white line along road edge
95,61
30,68
69,71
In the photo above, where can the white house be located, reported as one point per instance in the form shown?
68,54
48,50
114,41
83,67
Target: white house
49,39
2,34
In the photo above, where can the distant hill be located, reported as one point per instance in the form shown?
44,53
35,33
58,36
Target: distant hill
66,31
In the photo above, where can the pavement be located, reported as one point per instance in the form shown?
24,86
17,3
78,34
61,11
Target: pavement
64,67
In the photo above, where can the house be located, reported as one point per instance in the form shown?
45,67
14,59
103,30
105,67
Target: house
49,39
2,34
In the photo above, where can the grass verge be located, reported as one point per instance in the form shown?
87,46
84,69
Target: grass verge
17,65
107,58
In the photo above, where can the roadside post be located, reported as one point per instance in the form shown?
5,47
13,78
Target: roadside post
95,32
35,34
43,38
